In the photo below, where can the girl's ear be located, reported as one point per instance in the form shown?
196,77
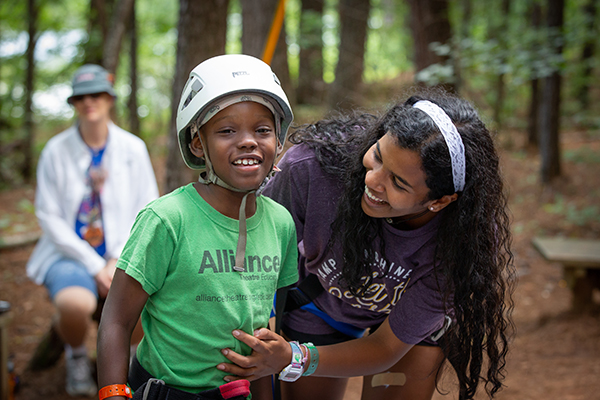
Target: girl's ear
441,203
196,147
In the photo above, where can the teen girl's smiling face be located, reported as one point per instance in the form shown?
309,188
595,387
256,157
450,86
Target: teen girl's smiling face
395,181
241,143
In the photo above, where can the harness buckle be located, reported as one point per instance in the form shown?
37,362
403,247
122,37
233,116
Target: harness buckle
149,384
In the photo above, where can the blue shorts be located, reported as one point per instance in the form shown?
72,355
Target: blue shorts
66,272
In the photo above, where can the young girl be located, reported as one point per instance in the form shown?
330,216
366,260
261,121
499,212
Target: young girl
208,257
403,230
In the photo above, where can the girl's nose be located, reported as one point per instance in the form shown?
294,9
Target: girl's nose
247,139
373,179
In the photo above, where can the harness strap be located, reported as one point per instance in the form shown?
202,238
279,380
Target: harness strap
303,297
146,387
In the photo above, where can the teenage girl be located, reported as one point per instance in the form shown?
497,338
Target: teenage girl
402,223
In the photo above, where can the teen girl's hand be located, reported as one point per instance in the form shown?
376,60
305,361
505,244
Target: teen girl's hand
270,354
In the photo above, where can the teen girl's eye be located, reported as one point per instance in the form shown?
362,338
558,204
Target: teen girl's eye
397,184
376,153
395,181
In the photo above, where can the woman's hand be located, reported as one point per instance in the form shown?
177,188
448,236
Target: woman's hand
270,354
105,276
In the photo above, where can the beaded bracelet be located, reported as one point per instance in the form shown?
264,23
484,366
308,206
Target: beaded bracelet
314,359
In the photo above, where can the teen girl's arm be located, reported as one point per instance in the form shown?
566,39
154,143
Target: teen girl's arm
271,353
120,314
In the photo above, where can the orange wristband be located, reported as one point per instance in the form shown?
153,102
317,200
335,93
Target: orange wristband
114,390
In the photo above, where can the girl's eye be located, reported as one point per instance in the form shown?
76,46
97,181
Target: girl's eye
264,131
377,156
397,184
225,131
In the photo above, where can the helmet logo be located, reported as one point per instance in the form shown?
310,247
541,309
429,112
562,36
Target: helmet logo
239,73
276,80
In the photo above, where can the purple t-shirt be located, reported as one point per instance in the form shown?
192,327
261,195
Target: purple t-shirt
408,293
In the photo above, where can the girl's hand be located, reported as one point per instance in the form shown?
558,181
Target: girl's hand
270,354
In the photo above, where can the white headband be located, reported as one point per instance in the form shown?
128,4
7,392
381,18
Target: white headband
452,138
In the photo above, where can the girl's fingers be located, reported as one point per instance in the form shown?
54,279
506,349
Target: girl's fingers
253,342
266,334
231,378
240,360
234,370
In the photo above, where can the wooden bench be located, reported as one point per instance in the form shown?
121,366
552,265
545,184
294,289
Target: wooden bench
580,259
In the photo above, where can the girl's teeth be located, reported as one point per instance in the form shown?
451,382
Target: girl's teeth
246,162
372,197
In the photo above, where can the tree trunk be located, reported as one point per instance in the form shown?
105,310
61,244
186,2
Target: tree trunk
533,118
118,26
346,89
550,106
197,19
500,34
464,32
587,55
429,23
310,76
100,11
132,104
32,20
534,103
257,16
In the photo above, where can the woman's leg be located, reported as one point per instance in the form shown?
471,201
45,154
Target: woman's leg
75,306
74,294
413,377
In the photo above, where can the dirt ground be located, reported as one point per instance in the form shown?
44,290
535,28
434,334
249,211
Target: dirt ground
554,354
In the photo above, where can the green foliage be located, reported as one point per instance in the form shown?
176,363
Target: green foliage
571,213
389,42
293,9
157,46
486,45
331,29
234,28
583,155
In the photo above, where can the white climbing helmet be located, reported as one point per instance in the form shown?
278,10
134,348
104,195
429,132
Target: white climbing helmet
222,76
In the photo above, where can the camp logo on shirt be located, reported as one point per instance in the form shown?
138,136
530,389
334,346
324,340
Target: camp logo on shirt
218,261
376,297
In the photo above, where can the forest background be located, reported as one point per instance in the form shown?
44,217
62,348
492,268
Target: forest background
530,66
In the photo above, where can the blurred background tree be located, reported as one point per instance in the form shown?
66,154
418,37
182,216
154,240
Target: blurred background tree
511,58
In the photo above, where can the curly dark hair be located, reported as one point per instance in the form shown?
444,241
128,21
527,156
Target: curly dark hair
473,260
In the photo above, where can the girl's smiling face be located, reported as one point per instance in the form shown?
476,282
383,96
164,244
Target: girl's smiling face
395,181
241,143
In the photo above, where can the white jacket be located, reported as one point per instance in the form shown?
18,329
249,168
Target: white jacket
61,183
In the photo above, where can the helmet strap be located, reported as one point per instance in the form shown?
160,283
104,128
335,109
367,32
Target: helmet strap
212,178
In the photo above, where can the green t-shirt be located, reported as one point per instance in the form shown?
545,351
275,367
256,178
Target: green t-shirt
182,250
